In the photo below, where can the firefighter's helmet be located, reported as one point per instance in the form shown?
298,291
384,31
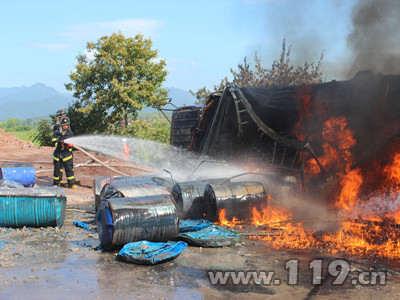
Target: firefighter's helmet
64,121
60,113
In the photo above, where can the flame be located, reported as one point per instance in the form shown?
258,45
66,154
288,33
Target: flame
351,183
304,106
290,235
356,239
270,216
337,141
392,173
368,223
364,240
223,221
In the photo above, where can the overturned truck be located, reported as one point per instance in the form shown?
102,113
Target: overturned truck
289,134
286,128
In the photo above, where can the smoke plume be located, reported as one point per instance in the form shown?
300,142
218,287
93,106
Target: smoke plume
374,41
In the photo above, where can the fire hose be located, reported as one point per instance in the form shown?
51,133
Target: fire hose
99,161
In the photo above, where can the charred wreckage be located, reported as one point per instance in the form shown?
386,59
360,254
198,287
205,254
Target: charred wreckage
301,141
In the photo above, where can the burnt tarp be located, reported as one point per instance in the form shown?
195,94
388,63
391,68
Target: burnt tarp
268,120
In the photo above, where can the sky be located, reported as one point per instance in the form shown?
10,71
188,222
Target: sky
200,40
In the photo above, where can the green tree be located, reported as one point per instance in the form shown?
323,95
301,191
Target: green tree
114,79
200,95
91,123
156,128
282,73
12,123
43,133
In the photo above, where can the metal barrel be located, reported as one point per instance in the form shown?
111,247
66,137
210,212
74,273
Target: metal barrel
124,220
99,182
32,207
183,125
23,173
189,198
237,198
132,189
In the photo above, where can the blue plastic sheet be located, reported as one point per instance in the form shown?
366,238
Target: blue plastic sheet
212,236
150,253
10,184
193,225
81,224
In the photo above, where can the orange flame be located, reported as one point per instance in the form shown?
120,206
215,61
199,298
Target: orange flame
336,147
369,235
223,221
304,105
364,231
351,183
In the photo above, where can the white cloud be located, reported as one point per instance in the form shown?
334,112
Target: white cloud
75,35
129,27
90,54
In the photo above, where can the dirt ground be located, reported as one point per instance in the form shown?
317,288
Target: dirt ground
68,263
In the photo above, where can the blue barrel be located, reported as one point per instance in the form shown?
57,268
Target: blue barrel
23,173
32,207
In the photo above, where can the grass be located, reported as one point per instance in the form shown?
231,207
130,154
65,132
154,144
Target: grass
24,135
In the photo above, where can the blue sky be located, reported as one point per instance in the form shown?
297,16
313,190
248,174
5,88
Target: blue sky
200,40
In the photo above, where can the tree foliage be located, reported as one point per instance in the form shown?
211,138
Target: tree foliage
43,133
15,124
156,129
113,80
94,122
282,73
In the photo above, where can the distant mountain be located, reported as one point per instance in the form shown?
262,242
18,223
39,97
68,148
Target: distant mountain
9,91
40,100
180,97
31,102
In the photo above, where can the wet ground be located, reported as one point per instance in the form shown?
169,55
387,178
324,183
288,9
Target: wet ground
68,263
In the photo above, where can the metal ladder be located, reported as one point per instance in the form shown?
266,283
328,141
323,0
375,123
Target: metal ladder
239,112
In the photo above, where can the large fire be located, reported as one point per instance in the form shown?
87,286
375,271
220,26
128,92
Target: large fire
368,223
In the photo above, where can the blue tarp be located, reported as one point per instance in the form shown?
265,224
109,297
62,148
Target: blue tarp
81,224
193,225
10,184
212,236
150,253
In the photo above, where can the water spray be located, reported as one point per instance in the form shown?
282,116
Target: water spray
206,161
170,174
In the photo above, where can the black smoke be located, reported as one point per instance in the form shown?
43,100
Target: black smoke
374,40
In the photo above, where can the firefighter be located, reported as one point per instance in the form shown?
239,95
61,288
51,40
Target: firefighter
63,153
60,114
125,149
